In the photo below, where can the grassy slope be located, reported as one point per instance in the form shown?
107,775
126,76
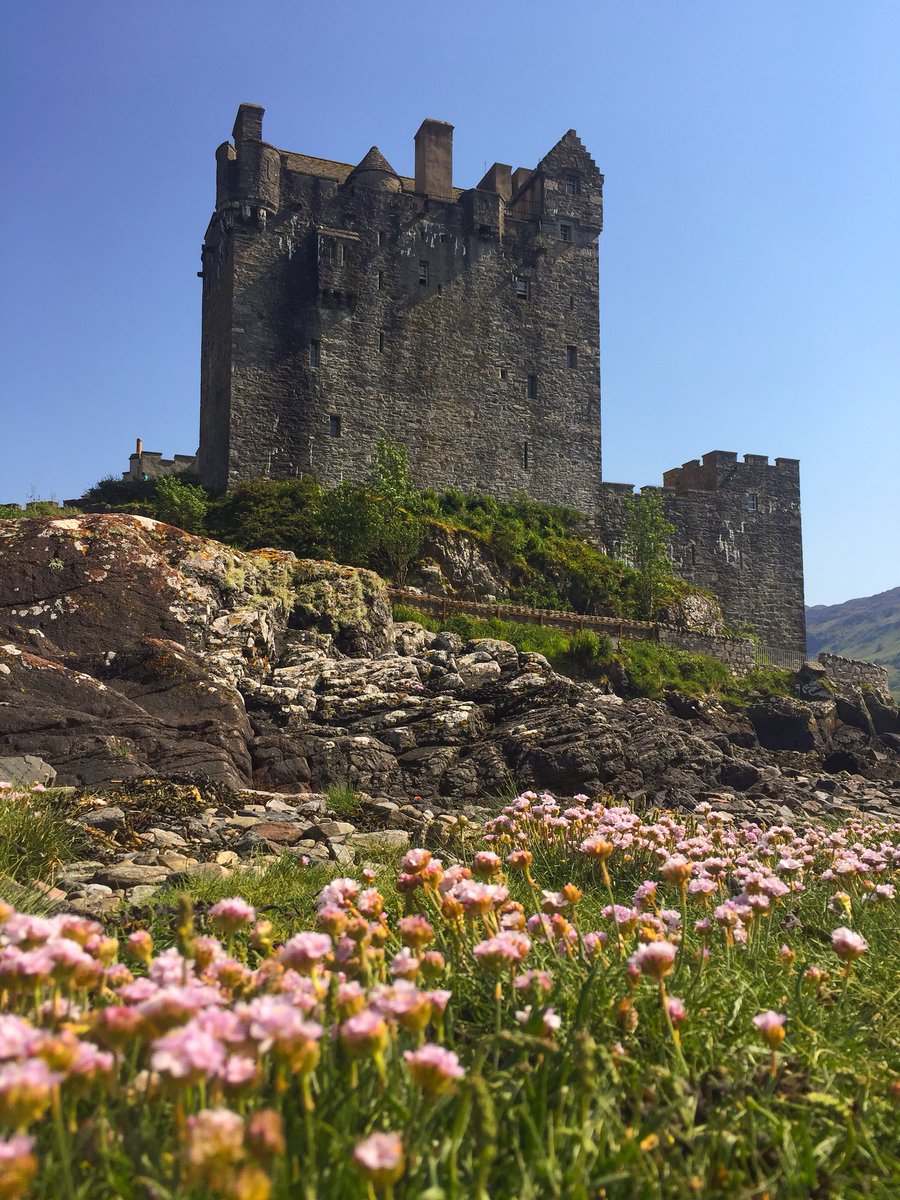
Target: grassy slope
868,628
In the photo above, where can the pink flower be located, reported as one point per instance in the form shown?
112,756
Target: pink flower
339,893
486,864
676,1009
305,951
380,1158
188,1054
655,959
215,1137
228,916
848,945
506,949
25,1091
771,1028
433,1068
17,1163
405,964
546,1020
364,1034
18,1038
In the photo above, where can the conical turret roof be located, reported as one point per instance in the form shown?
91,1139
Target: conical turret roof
375,171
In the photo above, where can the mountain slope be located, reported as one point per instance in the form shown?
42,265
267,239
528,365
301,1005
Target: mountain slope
868,627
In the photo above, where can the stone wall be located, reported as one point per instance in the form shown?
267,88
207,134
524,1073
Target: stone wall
738,654
344,305
738,535
855,672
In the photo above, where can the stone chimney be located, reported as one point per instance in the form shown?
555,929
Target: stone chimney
434,159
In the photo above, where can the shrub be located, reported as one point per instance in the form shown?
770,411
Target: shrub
36,835
179,503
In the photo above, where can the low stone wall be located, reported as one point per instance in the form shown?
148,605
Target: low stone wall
855,672
738,654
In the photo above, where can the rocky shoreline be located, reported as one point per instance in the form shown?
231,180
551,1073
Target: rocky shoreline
132,651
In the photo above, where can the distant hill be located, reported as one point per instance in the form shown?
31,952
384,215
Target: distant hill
866,628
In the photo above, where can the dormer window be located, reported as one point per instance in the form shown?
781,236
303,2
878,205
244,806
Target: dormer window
571,185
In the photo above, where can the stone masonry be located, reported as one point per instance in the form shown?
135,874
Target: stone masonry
345,303
342,304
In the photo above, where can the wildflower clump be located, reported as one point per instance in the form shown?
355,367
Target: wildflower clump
456,1027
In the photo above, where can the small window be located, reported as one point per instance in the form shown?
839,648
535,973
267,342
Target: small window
526,458
565,232
381,281
571,356
522,288
751,503
423,272
332,249
381,341
380,237
345,254
571,304
531,387
334,426
504,374
443,237
572,185
313,354
693,554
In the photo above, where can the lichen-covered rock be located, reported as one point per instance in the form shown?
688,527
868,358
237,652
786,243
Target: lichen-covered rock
131,651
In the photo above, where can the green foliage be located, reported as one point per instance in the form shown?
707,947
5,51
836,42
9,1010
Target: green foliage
36,508
651,669
36,835
277,514
647,532
398,526
343,801
179,503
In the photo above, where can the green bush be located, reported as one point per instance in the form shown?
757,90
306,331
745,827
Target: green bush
36,835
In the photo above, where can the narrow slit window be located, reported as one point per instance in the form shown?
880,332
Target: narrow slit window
380,237
332,249
504,374
345,254
381,281
334,425
565,232
313,354
522,288
381,341
423,272
531,387
571,356
526,456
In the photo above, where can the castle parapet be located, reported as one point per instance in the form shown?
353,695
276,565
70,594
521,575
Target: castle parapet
722,470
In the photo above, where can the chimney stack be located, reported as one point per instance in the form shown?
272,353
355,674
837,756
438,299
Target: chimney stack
139,448
434,159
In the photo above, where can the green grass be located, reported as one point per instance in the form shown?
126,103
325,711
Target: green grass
610,1105
37,836
343,802
637,668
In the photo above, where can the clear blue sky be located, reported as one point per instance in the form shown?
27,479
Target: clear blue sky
750,264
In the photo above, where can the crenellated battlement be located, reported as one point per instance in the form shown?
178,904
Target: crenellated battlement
721,470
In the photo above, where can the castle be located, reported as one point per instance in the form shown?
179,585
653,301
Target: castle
344,303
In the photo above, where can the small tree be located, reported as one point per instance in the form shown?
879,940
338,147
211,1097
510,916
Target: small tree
400,529
647,531
179,503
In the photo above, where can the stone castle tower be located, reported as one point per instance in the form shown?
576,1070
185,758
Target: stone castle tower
344,303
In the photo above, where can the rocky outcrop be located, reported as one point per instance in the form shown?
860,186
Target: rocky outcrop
129,649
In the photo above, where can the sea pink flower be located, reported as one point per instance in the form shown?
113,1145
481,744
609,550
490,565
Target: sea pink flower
506,949
486,864
339,892
676,1009
305,951
404,964
676,869
215,1137
415,931
364,1034
17,1163
433,1068
380,1158
18,1037
548,1021
415,861
25,1091
228,916
771,1028
848,945
187,1053
655,959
